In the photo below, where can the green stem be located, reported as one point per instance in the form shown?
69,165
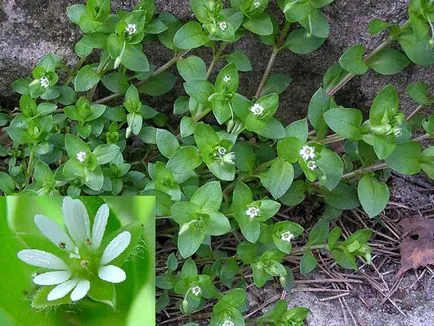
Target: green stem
273,57
215,59
30,165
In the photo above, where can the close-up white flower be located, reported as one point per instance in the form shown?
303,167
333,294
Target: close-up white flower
312,165
131,29
307,152
196,290
252,212
286,236
229,158
85,260
44,82
81,156
226,79
223,26
228,323
257,109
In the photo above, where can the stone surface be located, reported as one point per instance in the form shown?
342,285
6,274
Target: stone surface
29,29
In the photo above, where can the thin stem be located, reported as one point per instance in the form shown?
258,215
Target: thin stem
215,59
276,49
157,72
412,114
30,165
374,167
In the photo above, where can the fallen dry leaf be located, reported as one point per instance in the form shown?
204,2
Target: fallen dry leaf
417,247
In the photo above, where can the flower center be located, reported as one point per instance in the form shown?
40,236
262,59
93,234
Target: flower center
221,151
257,109
196,290
44,82
81,156
226,79
286,236
223,26
131,29
252,212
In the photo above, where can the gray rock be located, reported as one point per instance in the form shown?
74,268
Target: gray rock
29,29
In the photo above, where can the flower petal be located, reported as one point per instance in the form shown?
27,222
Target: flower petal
61,290
80,290
76,220
41,258
99,225
52,278
116,247
112,274
52,231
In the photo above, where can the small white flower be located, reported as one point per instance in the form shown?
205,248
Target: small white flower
286,236
44,82
257,109
312,165
226,79
229,158
256,4
81,156
397,132
196,290
131,29
80,238
221,151
307,152
223,26
252,212
228,323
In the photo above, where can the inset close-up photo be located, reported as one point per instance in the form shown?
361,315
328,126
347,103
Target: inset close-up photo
82,261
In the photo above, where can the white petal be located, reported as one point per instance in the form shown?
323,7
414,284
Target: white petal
52,231
116,247
112,274
80,290
52,278
76,220
41,258
61,290
99,225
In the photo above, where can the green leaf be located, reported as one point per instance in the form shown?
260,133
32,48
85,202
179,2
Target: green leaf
183,162
166,142
342,197
116,82
319,103
376,26
427,161
289,148
200,90
332,166
173,24
134,59
316,23
352,60
405,158
203,199
158,85
419,51
308,262
7,184
373,195
106,153
190,36
240,60
279,170
74,144
86,79
260,25
385,104
299,42
345,122
388,61
191,68
189,239
276,83
419,92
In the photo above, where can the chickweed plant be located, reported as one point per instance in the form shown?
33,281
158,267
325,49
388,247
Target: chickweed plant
228,176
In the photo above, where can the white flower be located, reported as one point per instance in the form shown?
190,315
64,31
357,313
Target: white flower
226,79
397,132
229,158
131,29
312,165
307,152
228,323
221,151
252,212
83,244
81,156
286,236
196,290
223,26
44,82
257,109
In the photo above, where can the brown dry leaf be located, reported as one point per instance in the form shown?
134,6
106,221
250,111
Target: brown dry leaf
417,247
